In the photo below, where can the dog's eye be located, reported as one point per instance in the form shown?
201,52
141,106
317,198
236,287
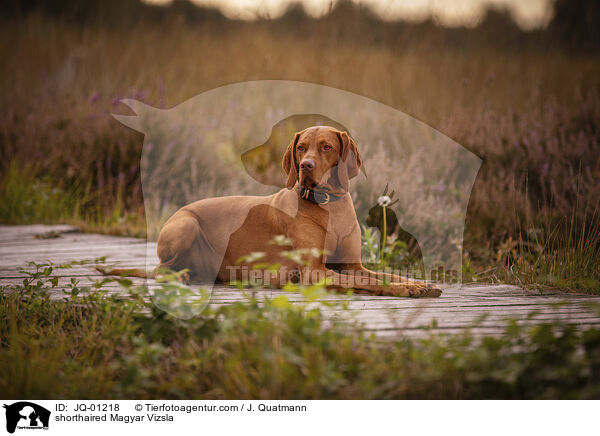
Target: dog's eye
327,147
300,148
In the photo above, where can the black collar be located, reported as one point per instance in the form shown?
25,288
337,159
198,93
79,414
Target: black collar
317,197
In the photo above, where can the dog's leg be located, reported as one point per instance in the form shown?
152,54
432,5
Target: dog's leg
356,279
183,244
317,272
347,259
421,288
360,279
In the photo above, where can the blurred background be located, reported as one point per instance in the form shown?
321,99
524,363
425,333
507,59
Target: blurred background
516,83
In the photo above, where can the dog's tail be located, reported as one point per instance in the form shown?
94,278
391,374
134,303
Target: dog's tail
126,272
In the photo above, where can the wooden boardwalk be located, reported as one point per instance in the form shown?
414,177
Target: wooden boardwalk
484,309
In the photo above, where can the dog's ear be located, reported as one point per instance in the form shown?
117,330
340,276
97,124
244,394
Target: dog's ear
349,162
290,166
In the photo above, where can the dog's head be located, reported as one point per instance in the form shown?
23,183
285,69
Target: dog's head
321,158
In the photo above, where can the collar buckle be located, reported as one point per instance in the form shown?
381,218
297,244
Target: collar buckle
316,197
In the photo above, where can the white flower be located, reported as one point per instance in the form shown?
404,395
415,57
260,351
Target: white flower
384,201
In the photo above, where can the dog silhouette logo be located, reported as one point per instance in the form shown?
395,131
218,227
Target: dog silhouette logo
229,141
26,415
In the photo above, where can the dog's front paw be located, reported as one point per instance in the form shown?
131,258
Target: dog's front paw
184,278
425,290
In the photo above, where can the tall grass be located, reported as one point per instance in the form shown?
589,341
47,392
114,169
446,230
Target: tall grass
562,254
532,115
29,197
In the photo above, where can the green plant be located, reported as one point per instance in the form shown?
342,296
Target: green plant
94,344
392,255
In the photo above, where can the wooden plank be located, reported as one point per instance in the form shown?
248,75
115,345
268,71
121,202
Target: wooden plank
366,302
29,241
358,302
460,308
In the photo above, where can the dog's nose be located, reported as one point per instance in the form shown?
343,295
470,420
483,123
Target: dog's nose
307,164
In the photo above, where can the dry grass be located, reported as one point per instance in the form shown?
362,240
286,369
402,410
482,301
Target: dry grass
533,117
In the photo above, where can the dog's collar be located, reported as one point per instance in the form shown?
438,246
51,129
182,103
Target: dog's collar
317,197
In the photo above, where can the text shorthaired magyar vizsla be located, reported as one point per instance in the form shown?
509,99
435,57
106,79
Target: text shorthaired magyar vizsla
314,211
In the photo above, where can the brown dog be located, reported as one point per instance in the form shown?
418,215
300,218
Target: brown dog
316,211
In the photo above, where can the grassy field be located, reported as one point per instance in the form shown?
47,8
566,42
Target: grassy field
532,114
93,345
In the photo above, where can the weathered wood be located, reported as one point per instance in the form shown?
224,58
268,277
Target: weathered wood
479,309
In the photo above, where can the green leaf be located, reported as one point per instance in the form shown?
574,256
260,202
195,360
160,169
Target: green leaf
281,302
